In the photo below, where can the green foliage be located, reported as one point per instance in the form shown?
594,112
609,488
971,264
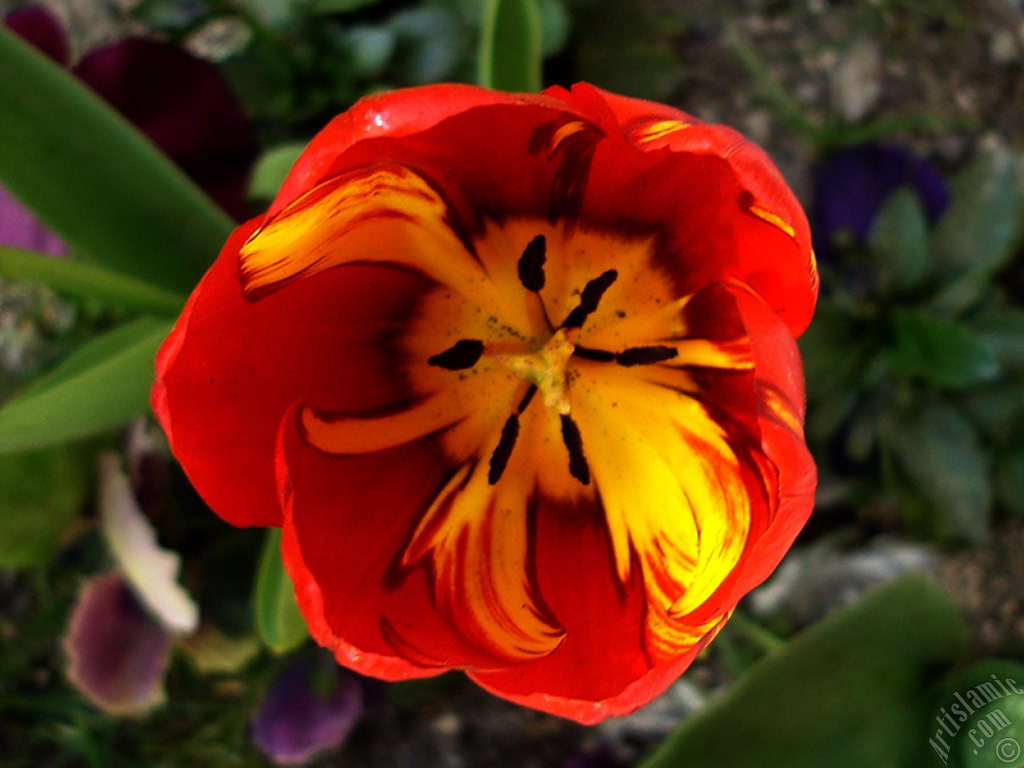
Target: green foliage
914,359
852,691
297,64
41,493
627,48
81,181
97,388
509,58
965,726
280,624
88,281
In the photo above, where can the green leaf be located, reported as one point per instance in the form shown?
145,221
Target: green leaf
88,281
940,452
943,352
41,494
1002,331
979,722
899,242
851,691
325,7
271,170
280,624
98,387
974,239
510,58
98,182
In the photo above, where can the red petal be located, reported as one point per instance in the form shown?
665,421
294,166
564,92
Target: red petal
396,114
231,369
780,383
347,522
761,235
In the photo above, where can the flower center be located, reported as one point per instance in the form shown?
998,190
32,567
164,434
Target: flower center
546,368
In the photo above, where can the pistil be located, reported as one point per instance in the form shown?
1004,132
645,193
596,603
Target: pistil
546,368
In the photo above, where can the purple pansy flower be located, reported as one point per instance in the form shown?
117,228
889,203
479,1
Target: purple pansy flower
295,722
852,185
179,101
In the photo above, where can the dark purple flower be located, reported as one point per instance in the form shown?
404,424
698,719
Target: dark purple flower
179,101
295,722
117,653
184,105
41,28
852,185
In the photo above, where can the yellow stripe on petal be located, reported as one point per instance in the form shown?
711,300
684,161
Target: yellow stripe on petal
659,130
474,540
671,484
382,213
766,215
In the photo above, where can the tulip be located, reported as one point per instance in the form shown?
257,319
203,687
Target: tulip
517,376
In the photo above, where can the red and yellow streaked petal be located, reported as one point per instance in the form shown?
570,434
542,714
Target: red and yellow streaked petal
771,236
231,368
384,213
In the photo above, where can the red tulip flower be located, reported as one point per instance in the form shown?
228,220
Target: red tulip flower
517,376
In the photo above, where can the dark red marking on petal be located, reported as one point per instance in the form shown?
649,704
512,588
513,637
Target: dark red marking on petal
590,298
571,143
464,354
531,264
645,355
578,466
501,455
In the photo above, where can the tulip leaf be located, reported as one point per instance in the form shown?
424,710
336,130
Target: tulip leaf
88,281
510,52
851,691
98,387
96,180
280,624
943,352
941,454
899,241
41,493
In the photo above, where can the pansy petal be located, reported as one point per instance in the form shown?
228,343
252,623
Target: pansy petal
38,26
19,228
117,654
294,722
151,570
185,106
